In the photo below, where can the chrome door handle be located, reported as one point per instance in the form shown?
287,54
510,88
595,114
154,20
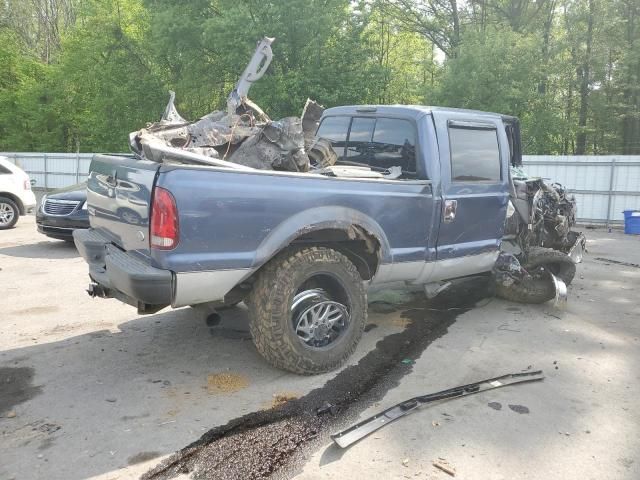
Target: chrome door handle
449,211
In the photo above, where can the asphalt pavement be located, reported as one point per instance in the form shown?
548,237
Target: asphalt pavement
90,389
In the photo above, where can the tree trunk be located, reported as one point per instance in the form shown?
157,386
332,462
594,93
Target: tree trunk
584,73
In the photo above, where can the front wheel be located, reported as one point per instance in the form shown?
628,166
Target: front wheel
538,287
308,309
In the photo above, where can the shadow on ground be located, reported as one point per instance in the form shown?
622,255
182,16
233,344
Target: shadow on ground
50,249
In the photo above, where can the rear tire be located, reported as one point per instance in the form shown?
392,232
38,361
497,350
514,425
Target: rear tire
9,213
275,325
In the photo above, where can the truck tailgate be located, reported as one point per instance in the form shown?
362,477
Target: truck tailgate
118,198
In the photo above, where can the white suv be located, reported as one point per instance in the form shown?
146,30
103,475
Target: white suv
16,196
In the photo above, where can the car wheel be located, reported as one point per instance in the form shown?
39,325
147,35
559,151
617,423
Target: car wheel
308,309
9,213
537,286
130,216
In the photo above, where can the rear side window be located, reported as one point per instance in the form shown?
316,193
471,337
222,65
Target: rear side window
380,143
4,170
475,155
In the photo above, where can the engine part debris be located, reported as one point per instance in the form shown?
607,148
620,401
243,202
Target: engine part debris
243,134
278,146
360,430
244,137
539,249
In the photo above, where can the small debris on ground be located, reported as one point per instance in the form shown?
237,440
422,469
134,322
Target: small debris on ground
435,424
111,400
282,398
405,462
442,464
11,414
327,408
407,361
226,382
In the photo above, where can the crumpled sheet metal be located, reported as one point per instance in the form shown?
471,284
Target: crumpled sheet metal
212,130
278,146
560,300
248,138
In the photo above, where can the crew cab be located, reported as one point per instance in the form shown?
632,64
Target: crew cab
301,249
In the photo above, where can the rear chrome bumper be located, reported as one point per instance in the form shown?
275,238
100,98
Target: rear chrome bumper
121,275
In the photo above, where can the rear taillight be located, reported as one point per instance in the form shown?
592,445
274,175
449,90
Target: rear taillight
164,232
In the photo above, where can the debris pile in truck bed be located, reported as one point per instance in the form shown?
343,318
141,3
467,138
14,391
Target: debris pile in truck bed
241,137
246,138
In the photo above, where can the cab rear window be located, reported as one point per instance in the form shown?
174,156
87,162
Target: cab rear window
379,143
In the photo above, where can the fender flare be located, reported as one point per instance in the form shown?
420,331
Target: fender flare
320,218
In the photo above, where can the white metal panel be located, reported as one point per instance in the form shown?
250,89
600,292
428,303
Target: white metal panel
593,173
588,173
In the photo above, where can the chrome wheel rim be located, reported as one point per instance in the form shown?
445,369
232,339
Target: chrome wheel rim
317,320
6,214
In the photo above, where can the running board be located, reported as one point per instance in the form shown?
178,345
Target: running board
360,430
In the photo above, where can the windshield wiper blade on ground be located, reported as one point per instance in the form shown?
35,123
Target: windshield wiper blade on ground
360,430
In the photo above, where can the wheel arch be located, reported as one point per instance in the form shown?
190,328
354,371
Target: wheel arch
353,233
15,199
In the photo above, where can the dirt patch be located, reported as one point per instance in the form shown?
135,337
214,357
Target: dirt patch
16,386
226,382
275,440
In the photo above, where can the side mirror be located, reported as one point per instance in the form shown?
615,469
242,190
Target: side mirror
33,182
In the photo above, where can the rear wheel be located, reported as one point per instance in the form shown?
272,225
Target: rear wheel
9,213
308,309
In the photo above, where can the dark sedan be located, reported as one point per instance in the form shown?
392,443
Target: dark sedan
62,211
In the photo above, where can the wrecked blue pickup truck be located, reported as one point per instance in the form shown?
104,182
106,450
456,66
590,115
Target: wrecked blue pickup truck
298,217
300,247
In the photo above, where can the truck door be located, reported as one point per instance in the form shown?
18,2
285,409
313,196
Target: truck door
474,153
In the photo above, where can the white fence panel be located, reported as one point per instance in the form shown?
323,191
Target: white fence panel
604,185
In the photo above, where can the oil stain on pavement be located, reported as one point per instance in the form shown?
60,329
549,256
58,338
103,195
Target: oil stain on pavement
260,443
16,386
